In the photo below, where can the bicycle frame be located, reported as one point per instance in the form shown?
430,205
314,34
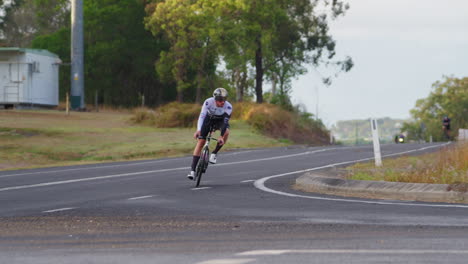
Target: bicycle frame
204,157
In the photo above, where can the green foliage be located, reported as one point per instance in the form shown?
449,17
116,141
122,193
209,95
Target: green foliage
187,25
192,47
119,54
275,37
283,101
448,97
26,19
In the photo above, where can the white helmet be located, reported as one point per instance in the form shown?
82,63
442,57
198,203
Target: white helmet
220,94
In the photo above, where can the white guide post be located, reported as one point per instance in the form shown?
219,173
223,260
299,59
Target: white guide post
375,139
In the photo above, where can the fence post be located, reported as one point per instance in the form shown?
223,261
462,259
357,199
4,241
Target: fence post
375,139
67,104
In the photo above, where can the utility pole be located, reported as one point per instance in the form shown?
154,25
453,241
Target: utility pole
77,54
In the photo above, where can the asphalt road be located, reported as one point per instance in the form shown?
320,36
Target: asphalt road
244,212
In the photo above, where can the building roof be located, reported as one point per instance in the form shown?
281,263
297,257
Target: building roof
35,51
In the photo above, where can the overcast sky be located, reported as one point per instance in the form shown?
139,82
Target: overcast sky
399,47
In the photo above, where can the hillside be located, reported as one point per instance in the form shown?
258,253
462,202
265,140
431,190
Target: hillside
352,131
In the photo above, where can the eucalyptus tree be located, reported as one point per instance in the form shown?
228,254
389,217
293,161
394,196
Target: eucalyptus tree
187,25
275,38
279,37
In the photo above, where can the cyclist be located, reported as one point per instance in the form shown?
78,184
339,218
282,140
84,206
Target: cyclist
446,126
215,112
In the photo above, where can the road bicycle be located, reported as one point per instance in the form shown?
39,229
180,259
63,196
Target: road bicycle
203,162
446,132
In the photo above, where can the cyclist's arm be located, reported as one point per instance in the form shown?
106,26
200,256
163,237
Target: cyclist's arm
203,114
227,116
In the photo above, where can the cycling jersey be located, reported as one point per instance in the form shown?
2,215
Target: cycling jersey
446,123
220,113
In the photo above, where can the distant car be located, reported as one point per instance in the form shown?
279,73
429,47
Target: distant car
400,138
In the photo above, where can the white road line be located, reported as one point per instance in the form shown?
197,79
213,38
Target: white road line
59,210
85,168
141,197
186,168
226,261
200,188
146,172
157,161
260,184
277,157
86,179
351,251
247,181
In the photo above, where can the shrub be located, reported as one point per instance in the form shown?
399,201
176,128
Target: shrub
177,115
269,119
276,122
143,116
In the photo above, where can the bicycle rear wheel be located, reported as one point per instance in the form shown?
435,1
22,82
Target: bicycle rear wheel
202,164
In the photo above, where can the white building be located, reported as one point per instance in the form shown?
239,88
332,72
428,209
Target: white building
28,78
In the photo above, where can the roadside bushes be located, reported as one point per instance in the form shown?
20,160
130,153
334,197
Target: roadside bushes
268,119
276,122
170,115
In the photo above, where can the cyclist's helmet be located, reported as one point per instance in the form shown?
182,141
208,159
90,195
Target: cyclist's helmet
220,94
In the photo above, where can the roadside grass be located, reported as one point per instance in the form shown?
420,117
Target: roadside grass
270,120
31,139
447,166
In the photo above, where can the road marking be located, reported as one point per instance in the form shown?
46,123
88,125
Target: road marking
86,179
247,181
158,161
141,197
85,168
277,157
146,172
59,210
350,251
260,184
200,188
185,168
226,261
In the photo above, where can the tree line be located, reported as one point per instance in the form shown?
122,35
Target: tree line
449,97
182,49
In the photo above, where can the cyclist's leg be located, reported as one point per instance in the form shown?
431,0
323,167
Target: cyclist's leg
196,152
224,137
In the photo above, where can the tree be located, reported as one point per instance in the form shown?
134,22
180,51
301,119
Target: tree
187,26
26,19
119,54
448,97
283,35
273,37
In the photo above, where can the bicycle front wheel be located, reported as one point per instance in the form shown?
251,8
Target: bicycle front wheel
202,164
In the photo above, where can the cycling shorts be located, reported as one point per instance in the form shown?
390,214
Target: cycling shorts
218,123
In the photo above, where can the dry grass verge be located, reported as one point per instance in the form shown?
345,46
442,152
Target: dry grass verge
267,119
448,166
51,138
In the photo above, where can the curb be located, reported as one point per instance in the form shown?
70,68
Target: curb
326,184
